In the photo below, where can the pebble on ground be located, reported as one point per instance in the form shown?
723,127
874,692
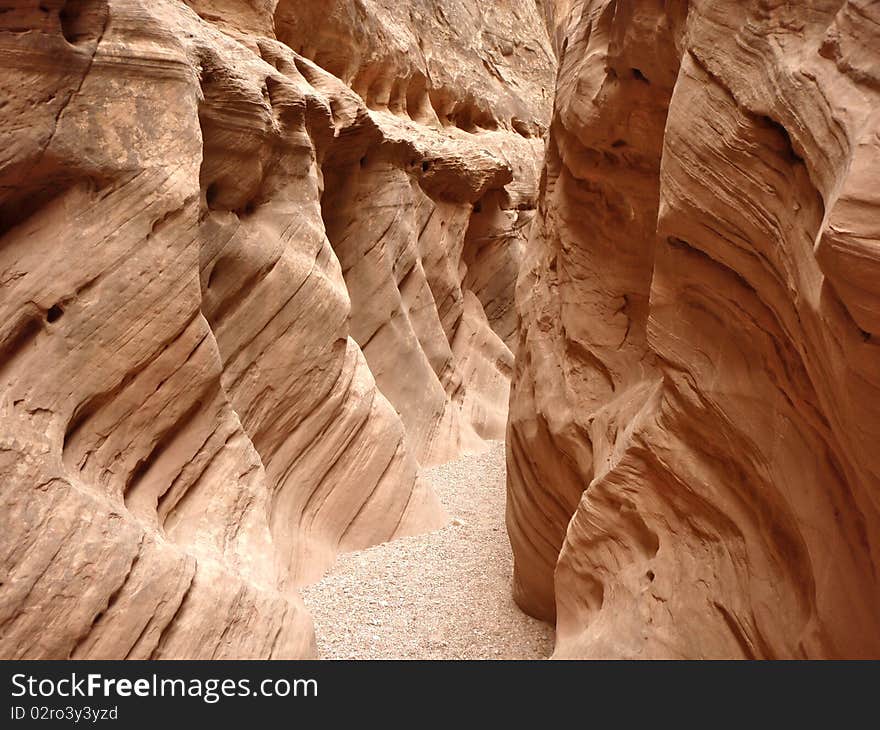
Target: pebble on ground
442,595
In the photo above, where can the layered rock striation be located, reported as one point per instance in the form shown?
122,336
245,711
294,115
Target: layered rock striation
692,453
243,295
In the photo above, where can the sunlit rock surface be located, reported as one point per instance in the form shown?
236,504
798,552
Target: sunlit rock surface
241,301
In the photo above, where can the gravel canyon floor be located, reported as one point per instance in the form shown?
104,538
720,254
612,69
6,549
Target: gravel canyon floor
442,595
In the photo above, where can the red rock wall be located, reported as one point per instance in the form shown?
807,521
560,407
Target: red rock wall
692,453
429,224
190,421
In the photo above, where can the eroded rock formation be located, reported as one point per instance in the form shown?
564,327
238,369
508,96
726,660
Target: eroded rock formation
256,263
428,223
693,468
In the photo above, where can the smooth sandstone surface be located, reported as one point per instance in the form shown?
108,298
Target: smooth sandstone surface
257,263
692,449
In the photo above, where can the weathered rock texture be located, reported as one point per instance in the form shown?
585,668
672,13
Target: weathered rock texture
692,450
212,251
426,203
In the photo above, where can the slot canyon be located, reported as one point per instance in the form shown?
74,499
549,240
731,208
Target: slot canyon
439,329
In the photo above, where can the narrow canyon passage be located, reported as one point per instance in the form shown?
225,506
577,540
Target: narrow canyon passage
261,260
442,595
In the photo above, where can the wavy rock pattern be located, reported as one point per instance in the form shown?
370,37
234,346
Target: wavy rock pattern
692,461
212,252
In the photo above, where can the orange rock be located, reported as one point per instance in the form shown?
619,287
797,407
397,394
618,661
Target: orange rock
195,258
692,461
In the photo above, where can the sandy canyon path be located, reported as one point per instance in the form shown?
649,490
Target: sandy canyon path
442,595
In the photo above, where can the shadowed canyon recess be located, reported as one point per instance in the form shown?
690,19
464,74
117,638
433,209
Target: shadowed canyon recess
267,265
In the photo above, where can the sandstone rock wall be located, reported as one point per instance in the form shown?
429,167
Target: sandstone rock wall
239,302
429,223
693,468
